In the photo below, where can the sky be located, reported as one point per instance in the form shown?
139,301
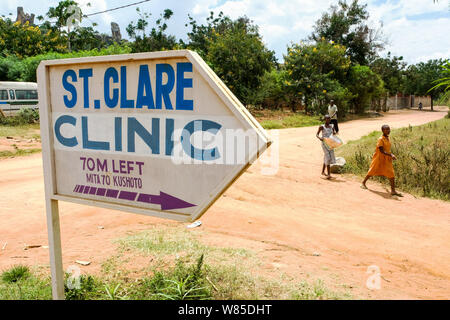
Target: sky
418,30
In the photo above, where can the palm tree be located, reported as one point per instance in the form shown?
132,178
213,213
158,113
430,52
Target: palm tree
444,82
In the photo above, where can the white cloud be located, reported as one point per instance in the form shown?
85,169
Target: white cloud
283,21
11,6
279,21
202,7
411,29
419,40
414,7
96,6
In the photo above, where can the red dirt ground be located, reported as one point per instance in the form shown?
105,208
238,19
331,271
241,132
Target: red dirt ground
290,219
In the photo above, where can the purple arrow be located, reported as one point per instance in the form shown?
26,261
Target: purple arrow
166,201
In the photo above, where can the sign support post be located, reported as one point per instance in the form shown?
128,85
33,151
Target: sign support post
51,205
54,242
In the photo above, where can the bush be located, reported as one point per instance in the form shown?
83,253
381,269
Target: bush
365,85
28,115
86,289
15,274
314,71
182,283
24,116
13,69
270,94
10,68
25,40
18,283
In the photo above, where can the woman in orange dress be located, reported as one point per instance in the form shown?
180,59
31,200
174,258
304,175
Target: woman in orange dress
382,161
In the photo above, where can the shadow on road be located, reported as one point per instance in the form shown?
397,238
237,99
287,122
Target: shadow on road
333,179
386,195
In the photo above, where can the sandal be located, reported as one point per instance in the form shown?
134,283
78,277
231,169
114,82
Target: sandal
396,194
363,186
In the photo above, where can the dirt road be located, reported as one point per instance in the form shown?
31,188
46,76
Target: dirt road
299,224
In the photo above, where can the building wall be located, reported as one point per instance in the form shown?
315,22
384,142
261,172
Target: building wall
403,102
426,101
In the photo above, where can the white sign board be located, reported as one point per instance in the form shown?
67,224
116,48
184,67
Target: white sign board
152,133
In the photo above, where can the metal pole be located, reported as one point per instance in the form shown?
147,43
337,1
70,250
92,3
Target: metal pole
54,243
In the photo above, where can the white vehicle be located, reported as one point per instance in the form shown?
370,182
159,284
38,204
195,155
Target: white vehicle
15,96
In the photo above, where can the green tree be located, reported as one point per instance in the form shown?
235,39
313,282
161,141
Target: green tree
235,51
346,24
24,40
421,77
271,93
25,69
68,16
87,38
365,85
240,59
444,82
157,39
315,72
8,68
201,34
65,13
391,69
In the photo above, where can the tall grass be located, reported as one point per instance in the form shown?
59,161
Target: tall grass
19,283
184,282
422,167
15,274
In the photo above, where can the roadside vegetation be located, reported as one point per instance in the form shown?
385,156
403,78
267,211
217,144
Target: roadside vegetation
284,118
19,135
24,131
18,152
422,151
171,263
281,119
25,116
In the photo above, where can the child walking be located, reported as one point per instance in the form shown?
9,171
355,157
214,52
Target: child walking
382,161
327,130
